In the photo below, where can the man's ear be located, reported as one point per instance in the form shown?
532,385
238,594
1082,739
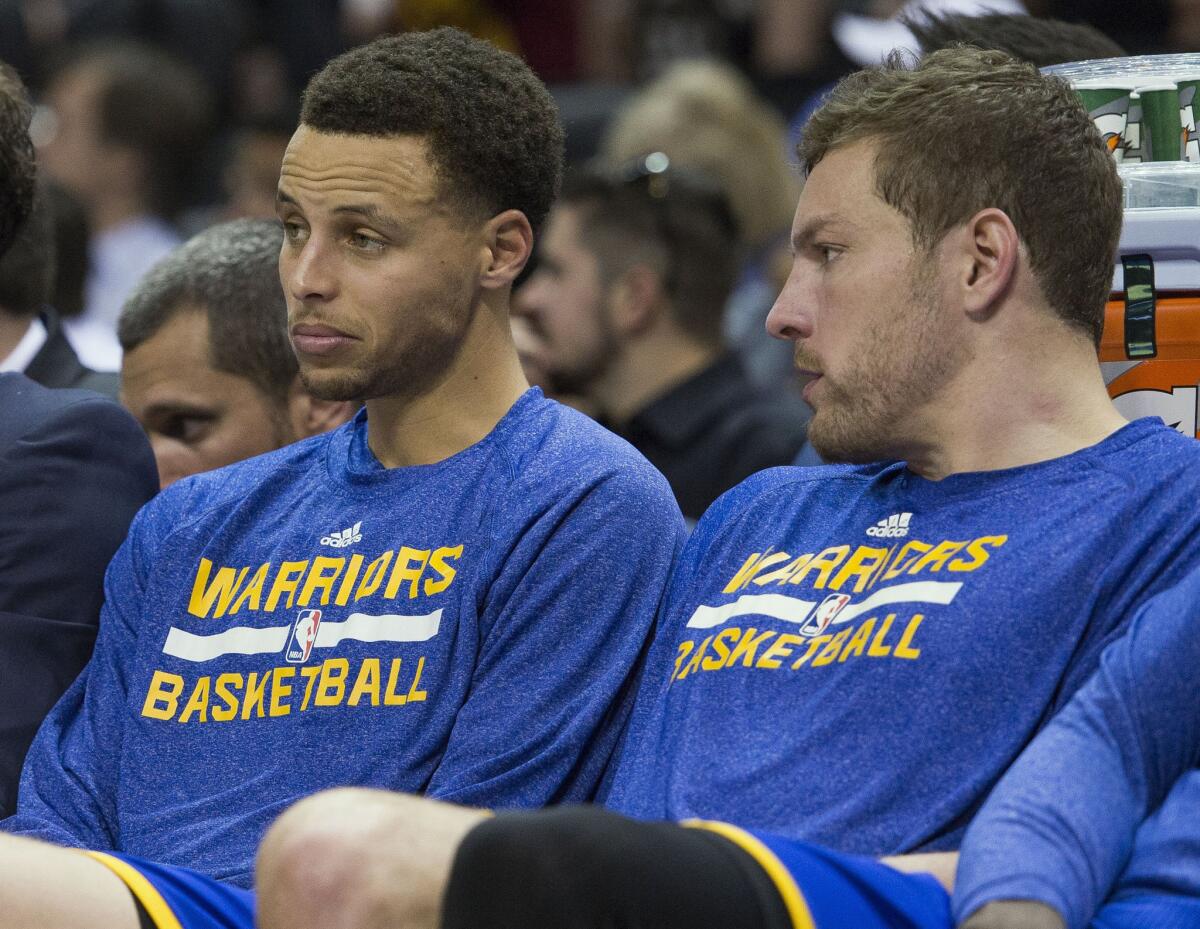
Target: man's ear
311,416
989,250
637,299
508,243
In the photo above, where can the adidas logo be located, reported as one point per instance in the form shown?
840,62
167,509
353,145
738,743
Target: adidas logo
894,527
344,537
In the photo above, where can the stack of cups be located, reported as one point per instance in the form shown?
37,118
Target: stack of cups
1145,107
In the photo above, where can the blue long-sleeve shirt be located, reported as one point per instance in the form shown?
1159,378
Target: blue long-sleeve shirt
310,619
1065,824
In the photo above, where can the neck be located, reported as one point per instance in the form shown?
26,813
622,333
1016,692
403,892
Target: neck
484,381
1012,406
645,369
12,330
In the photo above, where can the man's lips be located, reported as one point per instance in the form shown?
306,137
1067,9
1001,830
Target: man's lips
318,339
809,379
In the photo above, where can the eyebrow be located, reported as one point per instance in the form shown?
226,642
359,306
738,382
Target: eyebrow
177,408
367,210
805,236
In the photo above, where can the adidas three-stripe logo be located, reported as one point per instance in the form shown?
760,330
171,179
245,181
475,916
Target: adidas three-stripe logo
894,527
343,537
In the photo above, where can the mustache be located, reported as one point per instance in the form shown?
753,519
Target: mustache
804,360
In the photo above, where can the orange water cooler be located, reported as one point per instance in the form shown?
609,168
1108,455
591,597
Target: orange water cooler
1150,351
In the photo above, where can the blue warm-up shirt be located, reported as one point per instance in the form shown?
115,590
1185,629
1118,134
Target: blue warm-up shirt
310,619
1062,826
853,655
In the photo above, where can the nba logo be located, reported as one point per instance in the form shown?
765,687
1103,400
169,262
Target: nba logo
304,634
823,615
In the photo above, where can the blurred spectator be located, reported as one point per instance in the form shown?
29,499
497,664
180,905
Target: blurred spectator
705,116
209,371
252,171
127,124
625,309
31,336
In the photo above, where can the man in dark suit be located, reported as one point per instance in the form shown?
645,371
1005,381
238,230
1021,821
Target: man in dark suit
74,469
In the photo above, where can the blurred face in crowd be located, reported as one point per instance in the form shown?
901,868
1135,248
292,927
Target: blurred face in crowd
197,418
873,339
565,305
75,153
380,270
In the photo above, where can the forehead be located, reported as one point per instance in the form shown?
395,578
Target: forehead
324,170
174,365
841,189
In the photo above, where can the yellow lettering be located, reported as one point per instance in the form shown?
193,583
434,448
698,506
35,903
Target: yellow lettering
252,592
197,703
715,663
410,565
256,689
323,575
366,683
390,696
374,576
858,641
415,695
446,573
978,550
747,648
309,673
830,651
936,559
899,565
813,645
332,688
343,594
280,690
685,648
286,581
162,696
780,648
694,661
862,564
823,564
784,574
755,564
904,649
878,649
220,591
229,698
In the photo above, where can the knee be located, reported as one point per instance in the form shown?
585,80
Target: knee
310,863
358,858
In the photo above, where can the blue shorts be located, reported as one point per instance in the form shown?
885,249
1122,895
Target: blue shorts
179,898
822,889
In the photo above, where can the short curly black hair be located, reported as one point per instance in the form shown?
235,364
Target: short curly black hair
18,167
493,129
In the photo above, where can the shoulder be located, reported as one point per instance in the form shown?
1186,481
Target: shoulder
553,449
31,410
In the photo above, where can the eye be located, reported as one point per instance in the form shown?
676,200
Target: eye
364,242
187,428
293,231
827,254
